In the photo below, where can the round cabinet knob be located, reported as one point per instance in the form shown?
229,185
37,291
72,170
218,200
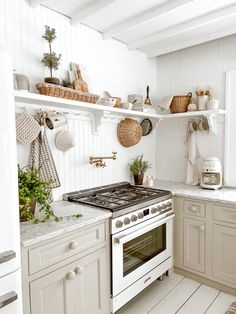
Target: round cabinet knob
71,275
119,224
140,215
193,209
126,221
134,218
153,210
202,228
73,245
79,270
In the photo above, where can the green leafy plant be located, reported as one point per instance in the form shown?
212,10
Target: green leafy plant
139,166
50,59
34,190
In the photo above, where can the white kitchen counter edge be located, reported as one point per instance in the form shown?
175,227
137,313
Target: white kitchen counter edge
32,234
224,195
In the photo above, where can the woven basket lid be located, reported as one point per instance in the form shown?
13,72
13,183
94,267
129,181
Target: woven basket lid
129,132
27,128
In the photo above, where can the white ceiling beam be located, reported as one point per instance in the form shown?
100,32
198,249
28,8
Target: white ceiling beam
35,3
184,27
193,42
144,18
80,15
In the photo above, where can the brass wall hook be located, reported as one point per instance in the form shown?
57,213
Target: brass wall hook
98,161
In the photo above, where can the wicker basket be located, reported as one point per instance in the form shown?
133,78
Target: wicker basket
180,103
129,132
64,92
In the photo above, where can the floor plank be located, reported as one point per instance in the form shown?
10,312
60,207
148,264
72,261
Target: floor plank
221,303
199,301
172,302
145,301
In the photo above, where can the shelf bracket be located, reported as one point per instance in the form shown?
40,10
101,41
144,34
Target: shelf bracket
97,119
155,122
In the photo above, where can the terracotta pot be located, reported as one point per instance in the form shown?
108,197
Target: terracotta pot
52,80
138,179
32,209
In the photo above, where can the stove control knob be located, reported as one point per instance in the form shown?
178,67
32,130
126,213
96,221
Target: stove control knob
158,208
134,218
169,204
140,215
126,221
119,224
153,210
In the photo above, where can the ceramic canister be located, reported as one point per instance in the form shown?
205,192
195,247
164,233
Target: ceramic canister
55,120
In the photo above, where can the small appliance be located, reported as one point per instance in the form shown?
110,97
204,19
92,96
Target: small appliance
211,173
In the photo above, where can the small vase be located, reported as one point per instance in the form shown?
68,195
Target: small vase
138,179
52,80
32,209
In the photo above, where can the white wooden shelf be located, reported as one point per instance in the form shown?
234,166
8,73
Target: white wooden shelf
98,111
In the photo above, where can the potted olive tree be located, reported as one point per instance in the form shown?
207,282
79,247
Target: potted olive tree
138,167
51,59
33,190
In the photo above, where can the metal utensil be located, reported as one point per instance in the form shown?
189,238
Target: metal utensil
148,100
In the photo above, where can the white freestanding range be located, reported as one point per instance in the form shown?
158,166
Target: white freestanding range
10,271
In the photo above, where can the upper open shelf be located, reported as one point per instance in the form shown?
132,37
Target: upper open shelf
99,111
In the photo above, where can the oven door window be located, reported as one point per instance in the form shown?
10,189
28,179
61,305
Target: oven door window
138,251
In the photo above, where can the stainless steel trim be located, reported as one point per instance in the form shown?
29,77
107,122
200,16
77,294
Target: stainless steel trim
7,298
124,238
7,256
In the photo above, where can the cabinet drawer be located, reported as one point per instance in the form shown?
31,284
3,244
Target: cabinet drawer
223,213
56,251
193,208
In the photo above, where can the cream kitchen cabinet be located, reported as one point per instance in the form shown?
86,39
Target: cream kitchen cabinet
69,274
205,241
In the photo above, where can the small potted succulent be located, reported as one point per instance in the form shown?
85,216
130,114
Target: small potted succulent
32,190
51,59
138,167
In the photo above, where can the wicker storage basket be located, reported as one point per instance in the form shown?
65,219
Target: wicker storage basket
180,103
129,132
64,92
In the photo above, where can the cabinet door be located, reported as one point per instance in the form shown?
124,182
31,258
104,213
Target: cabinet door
224,254
194,244
77,288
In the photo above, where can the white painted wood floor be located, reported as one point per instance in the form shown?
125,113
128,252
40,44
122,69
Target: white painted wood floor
177,294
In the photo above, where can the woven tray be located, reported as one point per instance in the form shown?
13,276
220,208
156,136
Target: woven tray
64,92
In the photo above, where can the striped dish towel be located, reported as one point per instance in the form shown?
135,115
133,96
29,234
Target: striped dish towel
41,156
231,309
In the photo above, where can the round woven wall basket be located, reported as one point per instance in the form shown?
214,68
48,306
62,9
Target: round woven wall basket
129,132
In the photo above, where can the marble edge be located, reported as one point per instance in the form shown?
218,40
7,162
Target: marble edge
76,226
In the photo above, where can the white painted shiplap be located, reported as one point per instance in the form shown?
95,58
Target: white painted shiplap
179,73
109,66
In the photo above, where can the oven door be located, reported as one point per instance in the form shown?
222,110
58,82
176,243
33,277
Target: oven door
138,250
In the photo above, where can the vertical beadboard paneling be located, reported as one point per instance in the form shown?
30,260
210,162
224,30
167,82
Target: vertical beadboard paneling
178,73
109,66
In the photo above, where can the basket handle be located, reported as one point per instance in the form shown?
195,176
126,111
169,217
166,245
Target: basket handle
190,94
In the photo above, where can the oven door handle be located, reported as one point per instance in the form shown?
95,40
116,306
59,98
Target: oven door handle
125,238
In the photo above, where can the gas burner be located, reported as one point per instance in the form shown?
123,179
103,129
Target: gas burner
121,197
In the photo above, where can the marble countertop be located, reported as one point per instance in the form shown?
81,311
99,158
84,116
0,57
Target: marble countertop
224,195
35,233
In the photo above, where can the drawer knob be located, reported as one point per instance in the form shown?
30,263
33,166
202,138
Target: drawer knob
202,228
193,209
79,270
71,275
73,245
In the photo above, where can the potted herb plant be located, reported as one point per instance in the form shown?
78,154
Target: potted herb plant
51,59
138,167
33,190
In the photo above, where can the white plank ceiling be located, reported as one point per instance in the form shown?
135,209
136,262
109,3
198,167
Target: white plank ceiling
154,27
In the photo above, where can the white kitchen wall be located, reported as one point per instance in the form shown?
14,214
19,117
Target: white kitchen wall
109,66
179,73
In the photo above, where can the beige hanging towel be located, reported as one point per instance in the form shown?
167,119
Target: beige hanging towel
41,156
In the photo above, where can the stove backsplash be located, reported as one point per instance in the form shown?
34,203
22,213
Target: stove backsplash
73,167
